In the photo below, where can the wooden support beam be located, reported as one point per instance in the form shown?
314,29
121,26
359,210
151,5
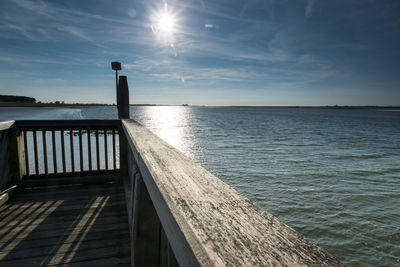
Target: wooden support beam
123,98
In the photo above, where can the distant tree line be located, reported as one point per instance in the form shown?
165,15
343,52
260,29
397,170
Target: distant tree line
14,98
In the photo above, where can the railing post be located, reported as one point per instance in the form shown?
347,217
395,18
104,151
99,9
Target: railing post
123,98
16,156
123,113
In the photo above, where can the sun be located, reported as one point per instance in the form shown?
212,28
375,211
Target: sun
166,23
163,22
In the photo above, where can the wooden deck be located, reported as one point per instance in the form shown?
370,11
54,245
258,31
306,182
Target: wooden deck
76,225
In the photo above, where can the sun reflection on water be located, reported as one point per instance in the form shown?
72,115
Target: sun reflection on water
173,125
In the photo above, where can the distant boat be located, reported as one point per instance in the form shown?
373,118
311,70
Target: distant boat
185,105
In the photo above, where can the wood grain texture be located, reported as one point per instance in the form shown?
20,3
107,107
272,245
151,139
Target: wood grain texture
206,221
78,226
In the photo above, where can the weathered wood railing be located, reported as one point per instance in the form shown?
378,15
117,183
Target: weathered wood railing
181,214
66,149
10,170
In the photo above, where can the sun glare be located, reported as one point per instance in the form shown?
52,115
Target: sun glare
163,22
166,23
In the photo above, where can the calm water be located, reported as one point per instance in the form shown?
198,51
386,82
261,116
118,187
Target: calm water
333,175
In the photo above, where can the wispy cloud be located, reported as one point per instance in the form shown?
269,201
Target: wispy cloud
80,34
21,30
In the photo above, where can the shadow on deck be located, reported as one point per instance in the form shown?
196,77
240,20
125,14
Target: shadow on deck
76,225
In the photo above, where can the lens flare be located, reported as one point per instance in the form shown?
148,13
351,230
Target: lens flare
163,22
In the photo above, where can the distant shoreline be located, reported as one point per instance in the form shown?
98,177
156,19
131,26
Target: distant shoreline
21,104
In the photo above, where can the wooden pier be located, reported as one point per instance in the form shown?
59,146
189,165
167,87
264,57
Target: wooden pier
125,197
110,193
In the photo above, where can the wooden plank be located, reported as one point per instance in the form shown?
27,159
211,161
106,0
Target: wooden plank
66,230
80,151
64,167
209,223
61,221
35,235
25,198
114,150
105,150
17,155
98,179
53,137
70,174
28,244
45,162
71,142
35,153
89,150
38,207
63,258
25,133
63,124
44,250
97,150
62,224
80,191
109,261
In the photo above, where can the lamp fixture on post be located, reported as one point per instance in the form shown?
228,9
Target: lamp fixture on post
116,66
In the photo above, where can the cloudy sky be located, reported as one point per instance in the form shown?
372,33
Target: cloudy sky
255,52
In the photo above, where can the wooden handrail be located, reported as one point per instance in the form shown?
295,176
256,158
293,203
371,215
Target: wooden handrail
48,141
206,222
5,125
67,124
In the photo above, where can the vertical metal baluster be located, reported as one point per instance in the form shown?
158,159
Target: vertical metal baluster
46,167
53,137
63,151
71,142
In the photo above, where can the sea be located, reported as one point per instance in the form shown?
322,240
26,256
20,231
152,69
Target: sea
331,174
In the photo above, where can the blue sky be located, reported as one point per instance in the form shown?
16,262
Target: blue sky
261,52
